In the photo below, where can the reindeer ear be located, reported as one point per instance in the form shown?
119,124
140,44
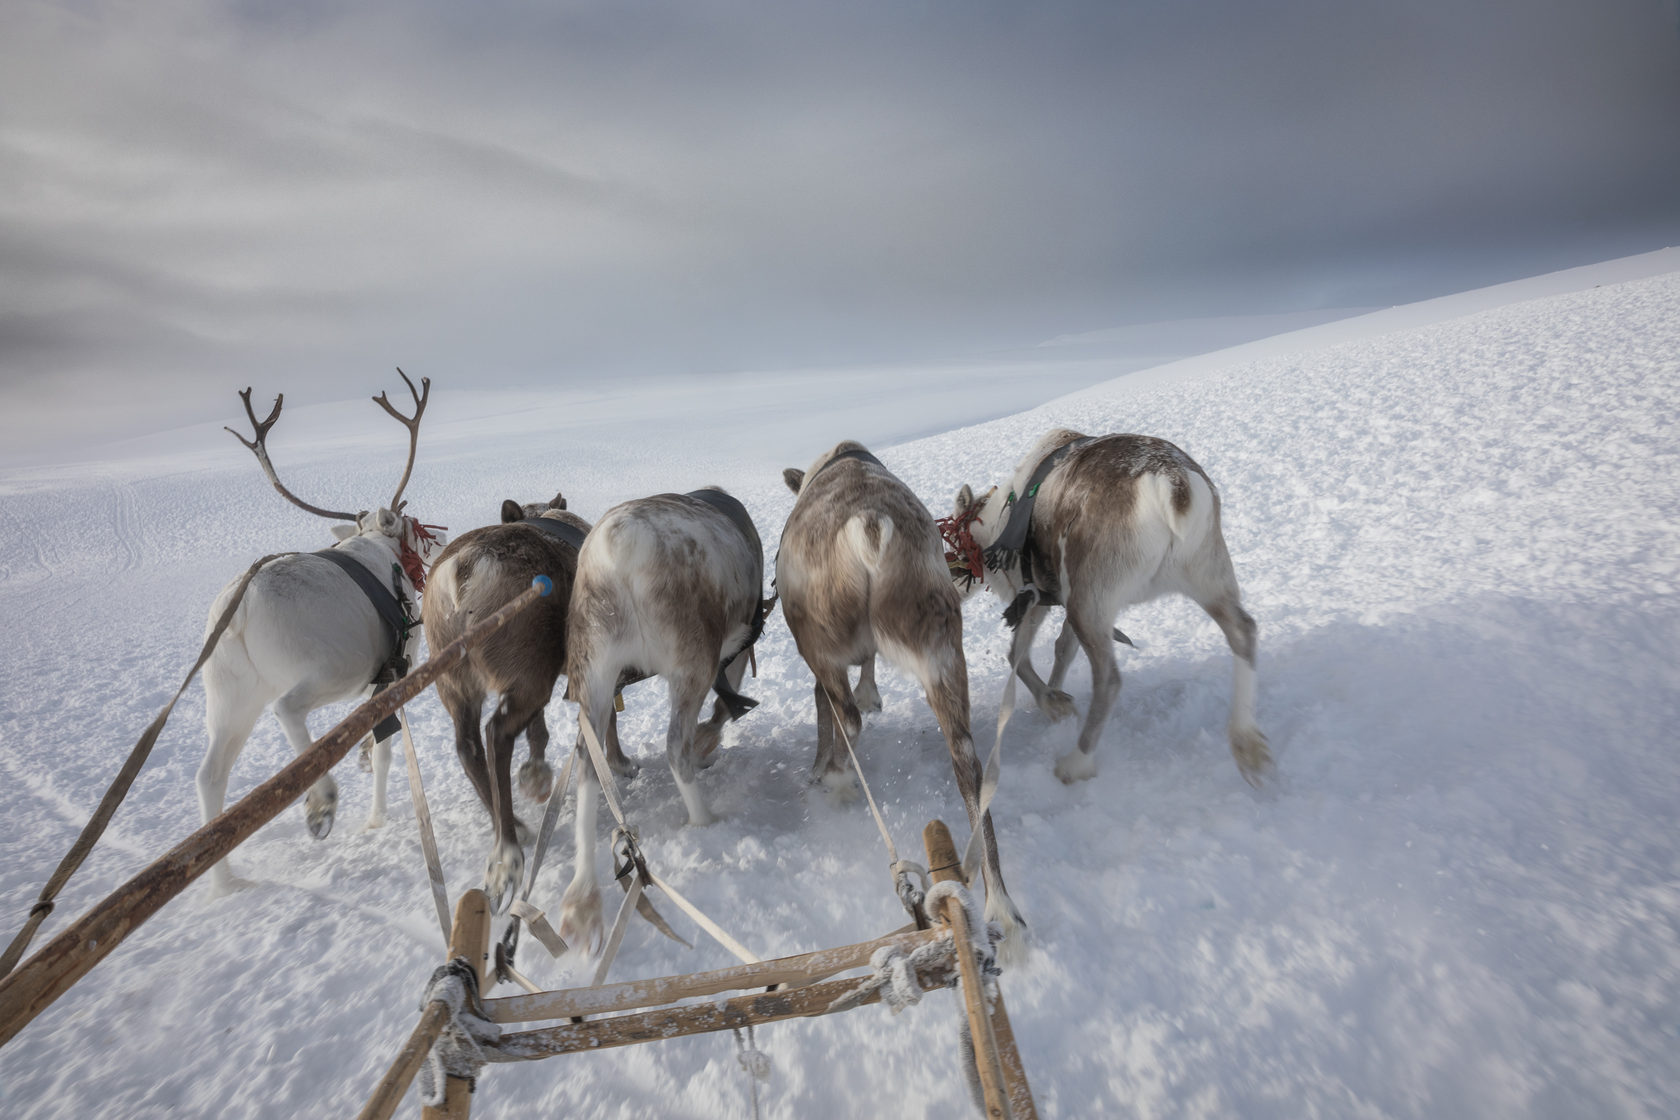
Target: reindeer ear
965,497
388,521
559,501
512,511
343,532
794,477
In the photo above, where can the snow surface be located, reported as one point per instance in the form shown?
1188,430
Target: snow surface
1456,524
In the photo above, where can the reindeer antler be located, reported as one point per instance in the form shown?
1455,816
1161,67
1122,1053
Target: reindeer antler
412,423
259,448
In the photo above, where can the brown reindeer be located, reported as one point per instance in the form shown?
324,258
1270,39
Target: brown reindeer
476,575
666,586
860,571
1096,524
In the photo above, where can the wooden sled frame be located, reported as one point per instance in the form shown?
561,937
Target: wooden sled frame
800,986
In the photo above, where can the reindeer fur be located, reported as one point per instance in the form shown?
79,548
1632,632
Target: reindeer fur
666,586
474,577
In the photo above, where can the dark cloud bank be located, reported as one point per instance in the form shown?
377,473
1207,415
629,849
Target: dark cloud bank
195,197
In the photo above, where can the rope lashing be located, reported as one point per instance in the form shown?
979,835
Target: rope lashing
754,1061
981,935
910,894
893,973
458,1050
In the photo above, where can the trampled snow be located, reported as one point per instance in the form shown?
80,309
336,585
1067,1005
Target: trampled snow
1458,526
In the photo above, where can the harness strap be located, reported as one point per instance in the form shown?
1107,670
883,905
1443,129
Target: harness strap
385,602
562,531
731,507
1013,541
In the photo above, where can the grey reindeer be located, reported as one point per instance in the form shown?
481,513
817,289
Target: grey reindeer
860,572
1095,524
666,586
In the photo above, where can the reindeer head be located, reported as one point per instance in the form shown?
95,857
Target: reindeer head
415,542
512,511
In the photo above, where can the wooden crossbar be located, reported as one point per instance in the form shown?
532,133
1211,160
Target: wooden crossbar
805,968
1003,1079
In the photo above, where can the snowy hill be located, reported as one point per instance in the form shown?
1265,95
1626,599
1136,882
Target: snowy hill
1458,526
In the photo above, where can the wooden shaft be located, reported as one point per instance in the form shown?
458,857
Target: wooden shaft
382,1105
1014,1071
68,957
803,969
942,854
698,1018
471,941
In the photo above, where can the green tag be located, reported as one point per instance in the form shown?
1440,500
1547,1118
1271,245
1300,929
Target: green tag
1034,491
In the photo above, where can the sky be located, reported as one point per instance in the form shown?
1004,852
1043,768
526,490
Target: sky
199,197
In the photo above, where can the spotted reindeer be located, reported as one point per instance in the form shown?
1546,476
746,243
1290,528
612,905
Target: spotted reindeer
666,586
313,628
1095,524
475,576
860,572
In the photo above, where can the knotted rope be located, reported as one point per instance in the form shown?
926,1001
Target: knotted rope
458,1050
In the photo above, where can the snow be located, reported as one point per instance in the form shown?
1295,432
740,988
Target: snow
1456,524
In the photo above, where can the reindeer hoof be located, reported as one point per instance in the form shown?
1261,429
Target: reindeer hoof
375,820
522,833
622,766
1253,754
536,780
1057,705
502,876
319,812
839,786
580,916
1076,766
867,697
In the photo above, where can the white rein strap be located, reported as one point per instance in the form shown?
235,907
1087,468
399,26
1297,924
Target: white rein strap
909,893
609,789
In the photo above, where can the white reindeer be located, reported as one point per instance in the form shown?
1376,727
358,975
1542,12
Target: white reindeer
666,586
305,634
860,571
1097,524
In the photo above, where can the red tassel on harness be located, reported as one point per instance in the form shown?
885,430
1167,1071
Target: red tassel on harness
963,557
412,566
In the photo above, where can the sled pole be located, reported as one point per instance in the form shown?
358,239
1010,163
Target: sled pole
469,940
944,866
68,957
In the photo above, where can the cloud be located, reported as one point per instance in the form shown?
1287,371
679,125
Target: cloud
194,195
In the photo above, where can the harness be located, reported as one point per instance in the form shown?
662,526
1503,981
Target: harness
1014,542
562,531
392,608
731,507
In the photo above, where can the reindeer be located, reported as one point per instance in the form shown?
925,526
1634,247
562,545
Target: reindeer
860,572
476,575
307,634
1096,524
666,586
